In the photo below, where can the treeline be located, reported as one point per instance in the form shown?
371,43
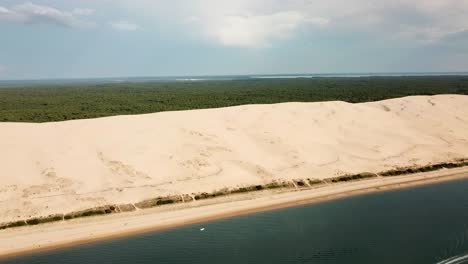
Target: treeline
57,103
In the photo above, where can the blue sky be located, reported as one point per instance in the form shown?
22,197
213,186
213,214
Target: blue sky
107,38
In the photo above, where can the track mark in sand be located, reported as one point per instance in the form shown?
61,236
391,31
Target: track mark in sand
199,165
336,160
444,140
339,172
330,114
402,107
262,173
54,179
120,168
59,188
253,169
200,168
7,188
39,189
217,149
199,135
294,166
54,185
195,163
94,200
49,173
386,108
400,154
386,158
460,119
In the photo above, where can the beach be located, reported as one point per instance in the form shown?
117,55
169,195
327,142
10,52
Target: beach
64,167
32,239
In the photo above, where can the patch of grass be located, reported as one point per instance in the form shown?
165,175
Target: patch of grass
242,190
277,184
214,194
126,208
273,185
158,201
313,182
300,183
433,167
102,210
13,224
187,198
165,201
148,203
354,177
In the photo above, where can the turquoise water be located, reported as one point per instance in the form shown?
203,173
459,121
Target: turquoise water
427,224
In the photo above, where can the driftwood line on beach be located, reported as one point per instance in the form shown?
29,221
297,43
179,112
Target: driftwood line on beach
300,184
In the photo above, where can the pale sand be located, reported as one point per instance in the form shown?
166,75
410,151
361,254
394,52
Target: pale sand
68,166
74,232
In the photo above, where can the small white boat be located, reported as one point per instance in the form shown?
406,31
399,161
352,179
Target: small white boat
202,229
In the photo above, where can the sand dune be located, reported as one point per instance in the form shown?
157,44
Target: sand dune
67,166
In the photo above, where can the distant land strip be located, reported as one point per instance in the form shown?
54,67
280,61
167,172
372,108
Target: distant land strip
297,184
48,103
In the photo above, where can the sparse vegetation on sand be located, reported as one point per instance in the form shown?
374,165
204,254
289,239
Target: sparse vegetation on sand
293,184
159,201
345,178
102,210
58,103
428,168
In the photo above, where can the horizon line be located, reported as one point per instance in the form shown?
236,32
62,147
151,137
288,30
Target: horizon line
253,75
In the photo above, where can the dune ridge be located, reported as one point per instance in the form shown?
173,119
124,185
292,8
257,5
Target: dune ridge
76,165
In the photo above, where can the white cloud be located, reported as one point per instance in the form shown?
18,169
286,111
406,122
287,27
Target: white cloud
30,13
240,23
124,25
259,23
3,10
257,30
413,20
83,11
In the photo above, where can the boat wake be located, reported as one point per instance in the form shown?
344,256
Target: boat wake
455,260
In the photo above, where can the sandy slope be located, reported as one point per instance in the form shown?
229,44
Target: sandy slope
67,166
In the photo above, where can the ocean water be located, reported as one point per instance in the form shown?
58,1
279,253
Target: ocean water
426,224
94,81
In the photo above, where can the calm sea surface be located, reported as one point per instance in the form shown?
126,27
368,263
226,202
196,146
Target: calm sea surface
427,224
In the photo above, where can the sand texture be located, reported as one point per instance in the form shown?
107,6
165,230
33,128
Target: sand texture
68,166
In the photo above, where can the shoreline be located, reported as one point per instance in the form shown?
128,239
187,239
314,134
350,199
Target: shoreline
280,185
30,239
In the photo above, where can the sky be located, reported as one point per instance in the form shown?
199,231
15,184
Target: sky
110,38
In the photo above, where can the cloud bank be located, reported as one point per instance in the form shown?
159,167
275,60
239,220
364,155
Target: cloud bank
259,23
29,13
263,23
